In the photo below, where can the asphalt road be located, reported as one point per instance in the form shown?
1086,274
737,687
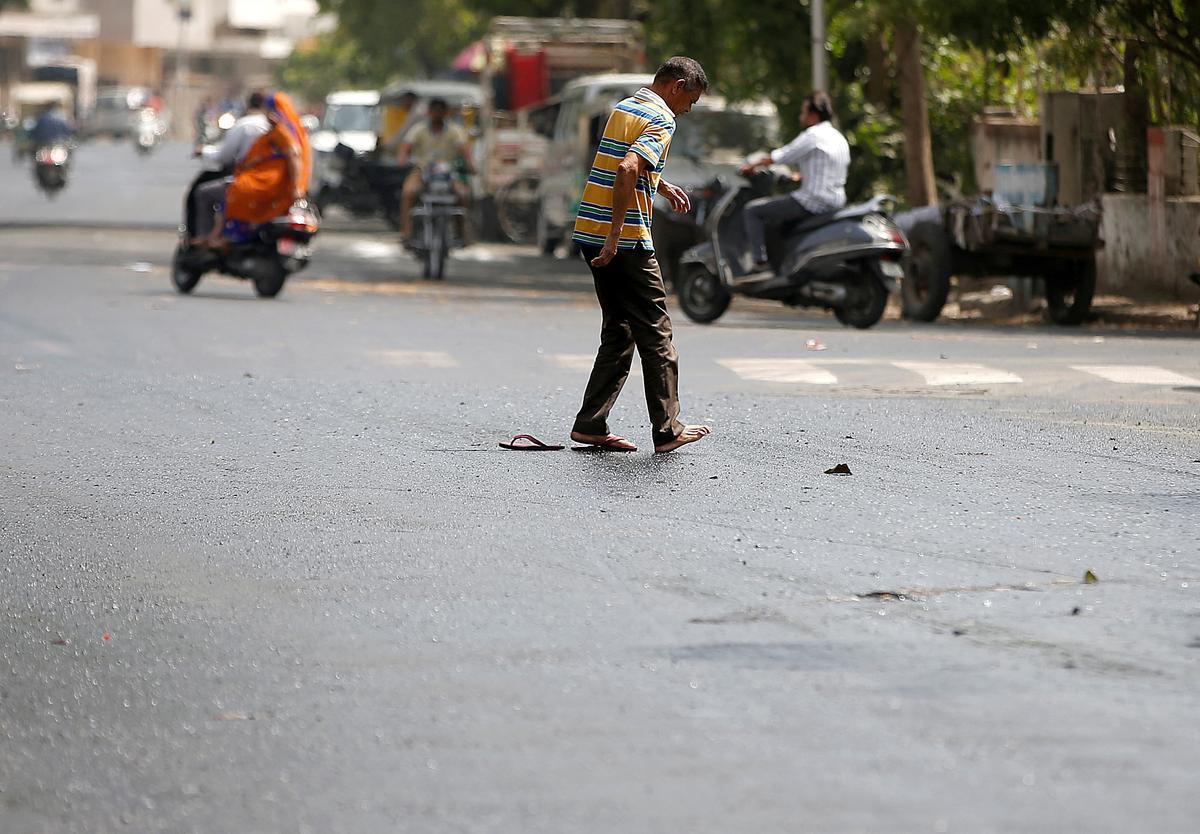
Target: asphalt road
265,569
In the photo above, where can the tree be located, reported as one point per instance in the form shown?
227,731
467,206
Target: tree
416,37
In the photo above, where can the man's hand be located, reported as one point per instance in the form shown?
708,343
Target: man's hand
755,163
676,196
607,252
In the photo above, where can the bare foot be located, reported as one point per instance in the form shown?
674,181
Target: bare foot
611,442
690,434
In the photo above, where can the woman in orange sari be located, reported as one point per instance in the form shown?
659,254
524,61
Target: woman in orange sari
273,175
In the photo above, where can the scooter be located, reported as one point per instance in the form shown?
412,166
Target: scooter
50,166
265,255
847,261
434,220
147,131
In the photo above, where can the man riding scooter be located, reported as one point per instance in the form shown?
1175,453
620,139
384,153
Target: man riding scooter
822,156
432,141
52,127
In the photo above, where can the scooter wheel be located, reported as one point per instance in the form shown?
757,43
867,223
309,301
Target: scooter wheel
702,296
184,280
865,303
270,282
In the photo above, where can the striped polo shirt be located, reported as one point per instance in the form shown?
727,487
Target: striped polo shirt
643,124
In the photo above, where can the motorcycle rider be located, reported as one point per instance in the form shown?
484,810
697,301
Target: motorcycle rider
822,155
51,127
210,196
434,140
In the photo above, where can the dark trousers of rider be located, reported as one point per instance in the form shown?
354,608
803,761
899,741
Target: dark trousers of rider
209,197
768,211
633,302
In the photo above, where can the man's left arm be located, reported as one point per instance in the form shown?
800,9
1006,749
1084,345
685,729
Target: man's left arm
676,196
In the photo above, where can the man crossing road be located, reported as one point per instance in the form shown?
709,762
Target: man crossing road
625,176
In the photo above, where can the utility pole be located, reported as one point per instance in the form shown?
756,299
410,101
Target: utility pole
819,80
184,14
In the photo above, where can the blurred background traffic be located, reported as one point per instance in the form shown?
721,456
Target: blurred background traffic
1051,152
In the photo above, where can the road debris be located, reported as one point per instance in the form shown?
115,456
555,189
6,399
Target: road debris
1090,578
840,469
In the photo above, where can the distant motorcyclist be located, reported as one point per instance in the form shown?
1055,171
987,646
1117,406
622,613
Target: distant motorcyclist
51,127
210,196
434,140
822,156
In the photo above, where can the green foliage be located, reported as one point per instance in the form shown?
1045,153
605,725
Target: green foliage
329,62
413,37
978,53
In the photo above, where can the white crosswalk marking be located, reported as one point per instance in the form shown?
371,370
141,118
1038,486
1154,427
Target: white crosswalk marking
1137,374
949,373
583,362
416,358
572,361
779,370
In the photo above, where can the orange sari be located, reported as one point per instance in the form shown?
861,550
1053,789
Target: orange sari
262,187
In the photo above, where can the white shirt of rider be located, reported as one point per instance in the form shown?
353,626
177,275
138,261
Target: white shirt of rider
238,141
822,155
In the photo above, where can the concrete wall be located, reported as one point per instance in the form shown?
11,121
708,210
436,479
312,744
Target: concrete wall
1136,261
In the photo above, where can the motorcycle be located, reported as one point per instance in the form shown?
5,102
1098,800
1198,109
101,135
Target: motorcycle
147,131
847,261
265,255
50,166
434,220
363,186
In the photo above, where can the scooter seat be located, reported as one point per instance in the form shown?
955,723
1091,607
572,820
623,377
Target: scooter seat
818,220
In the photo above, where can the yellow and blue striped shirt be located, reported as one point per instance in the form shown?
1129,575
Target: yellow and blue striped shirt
644,124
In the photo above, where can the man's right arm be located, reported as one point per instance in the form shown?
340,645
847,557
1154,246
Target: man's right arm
631,167
223,155
793,151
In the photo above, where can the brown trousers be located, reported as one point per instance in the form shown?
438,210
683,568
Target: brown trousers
634,304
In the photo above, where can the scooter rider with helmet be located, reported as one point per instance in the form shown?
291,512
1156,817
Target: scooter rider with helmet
822,156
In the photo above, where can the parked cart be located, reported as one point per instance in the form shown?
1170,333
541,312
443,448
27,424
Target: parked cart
978,238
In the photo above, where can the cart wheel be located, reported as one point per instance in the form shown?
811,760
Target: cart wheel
1069,291
927,272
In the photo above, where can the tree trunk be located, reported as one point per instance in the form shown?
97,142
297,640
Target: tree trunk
914,111
879,86
1137,119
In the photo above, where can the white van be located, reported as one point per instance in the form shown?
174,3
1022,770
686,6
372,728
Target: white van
710,141
352,118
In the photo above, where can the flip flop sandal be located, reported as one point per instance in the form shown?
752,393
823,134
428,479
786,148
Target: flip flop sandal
530,444
611,444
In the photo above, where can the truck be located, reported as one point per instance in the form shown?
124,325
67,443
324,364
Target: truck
527,62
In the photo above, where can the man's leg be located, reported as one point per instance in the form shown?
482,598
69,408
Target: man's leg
463,193
644,300
613,358
408,197
760,213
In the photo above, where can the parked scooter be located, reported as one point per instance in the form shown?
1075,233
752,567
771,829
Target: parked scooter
147,131
265,255
847,261
51,164
434,221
